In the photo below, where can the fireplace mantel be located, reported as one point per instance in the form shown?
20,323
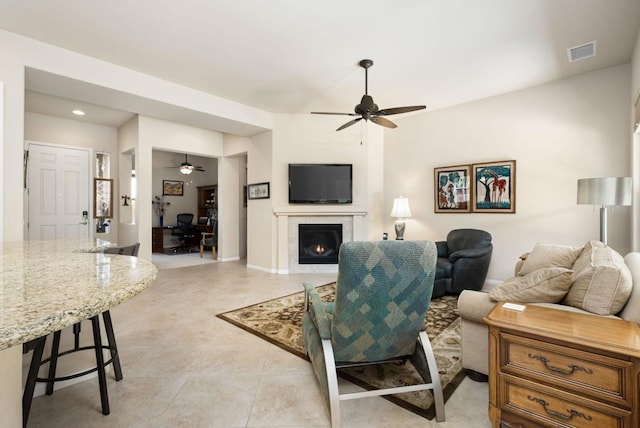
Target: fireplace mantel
352,215
319,210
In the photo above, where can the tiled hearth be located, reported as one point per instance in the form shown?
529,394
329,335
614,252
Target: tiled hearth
288,220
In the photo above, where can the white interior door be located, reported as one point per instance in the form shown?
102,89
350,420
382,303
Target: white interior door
58,180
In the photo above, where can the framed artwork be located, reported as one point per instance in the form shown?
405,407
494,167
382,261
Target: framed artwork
172,188
452,189
495,187
102,198
258,191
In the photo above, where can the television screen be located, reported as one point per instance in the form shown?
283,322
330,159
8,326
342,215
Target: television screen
320,183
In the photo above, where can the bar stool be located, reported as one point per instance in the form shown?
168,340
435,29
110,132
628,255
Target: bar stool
37,345
36,361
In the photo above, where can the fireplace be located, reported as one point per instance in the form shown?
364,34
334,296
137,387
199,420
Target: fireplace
319,243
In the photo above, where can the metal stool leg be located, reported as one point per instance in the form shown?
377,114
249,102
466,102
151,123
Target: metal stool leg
102,378
30,385
53,362
77,327
113,348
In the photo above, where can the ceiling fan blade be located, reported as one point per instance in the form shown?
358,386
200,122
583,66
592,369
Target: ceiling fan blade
339,114
398,110
383,122
346,125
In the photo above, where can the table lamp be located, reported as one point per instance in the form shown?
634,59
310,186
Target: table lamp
606,192
400,211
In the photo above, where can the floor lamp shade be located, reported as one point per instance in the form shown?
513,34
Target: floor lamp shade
605,192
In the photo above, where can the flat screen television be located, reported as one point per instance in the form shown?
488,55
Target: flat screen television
320,183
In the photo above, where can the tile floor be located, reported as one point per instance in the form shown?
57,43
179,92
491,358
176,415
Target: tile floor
183,367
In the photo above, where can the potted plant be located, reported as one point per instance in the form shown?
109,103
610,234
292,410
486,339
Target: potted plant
160,205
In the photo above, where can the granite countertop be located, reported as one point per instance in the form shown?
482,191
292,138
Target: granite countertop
48,285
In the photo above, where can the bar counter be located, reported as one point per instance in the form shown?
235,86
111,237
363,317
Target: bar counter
46,286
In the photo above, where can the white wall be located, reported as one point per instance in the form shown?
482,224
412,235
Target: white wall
261,244
127,147
635,143
558,132
305,138
98,138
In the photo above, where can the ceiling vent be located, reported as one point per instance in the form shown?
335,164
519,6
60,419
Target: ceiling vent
577,53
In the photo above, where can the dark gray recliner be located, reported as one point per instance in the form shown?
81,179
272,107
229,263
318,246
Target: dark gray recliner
463,261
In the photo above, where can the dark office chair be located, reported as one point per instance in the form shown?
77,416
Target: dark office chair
185,231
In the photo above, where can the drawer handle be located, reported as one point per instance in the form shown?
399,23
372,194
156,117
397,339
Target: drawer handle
574,368
571,415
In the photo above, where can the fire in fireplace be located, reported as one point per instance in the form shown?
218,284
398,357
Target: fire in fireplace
319,243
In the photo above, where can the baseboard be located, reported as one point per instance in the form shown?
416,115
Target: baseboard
263,269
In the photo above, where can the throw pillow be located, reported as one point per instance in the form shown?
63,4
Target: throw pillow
547,285
603,283
548,256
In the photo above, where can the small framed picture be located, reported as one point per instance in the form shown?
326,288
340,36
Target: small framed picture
452,189
258,191
495,187
172,188
103,198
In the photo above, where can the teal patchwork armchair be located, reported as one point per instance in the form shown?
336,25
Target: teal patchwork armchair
383,293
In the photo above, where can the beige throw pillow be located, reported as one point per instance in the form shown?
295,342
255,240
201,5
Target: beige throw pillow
603,283
548,285
548,256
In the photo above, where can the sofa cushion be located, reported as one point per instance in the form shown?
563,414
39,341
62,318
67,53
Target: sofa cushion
601,281
549,256
547,285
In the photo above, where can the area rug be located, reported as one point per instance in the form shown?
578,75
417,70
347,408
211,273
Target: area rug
279,322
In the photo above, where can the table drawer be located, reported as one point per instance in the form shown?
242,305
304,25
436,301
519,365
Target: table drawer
554,408
598,376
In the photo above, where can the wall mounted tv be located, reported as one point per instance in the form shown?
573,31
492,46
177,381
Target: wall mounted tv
320,183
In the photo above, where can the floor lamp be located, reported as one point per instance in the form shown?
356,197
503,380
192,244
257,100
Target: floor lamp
605,192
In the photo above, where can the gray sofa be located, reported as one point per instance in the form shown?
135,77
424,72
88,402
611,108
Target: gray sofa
474,305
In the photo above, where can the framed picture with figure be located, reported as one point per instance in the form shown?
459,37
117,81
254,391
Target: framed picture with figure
452,189
495,187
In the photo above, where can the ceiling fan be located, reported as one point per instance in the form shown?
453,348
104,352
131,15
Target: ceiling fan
368,110
186,167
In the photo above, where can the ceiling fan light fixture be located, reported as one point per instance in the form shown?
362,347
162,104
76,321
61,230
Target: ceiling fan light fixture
368,109
184,169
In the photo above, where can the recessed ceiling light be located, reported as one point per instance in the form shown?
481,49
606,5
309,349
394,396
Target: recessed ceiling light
78,112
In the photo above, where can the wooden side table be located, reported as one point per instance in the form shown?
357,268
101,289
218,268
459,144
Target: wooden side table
554,368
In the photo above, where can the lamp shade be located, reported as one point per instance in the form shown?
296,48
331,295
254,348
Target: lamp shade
401,208
605,191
